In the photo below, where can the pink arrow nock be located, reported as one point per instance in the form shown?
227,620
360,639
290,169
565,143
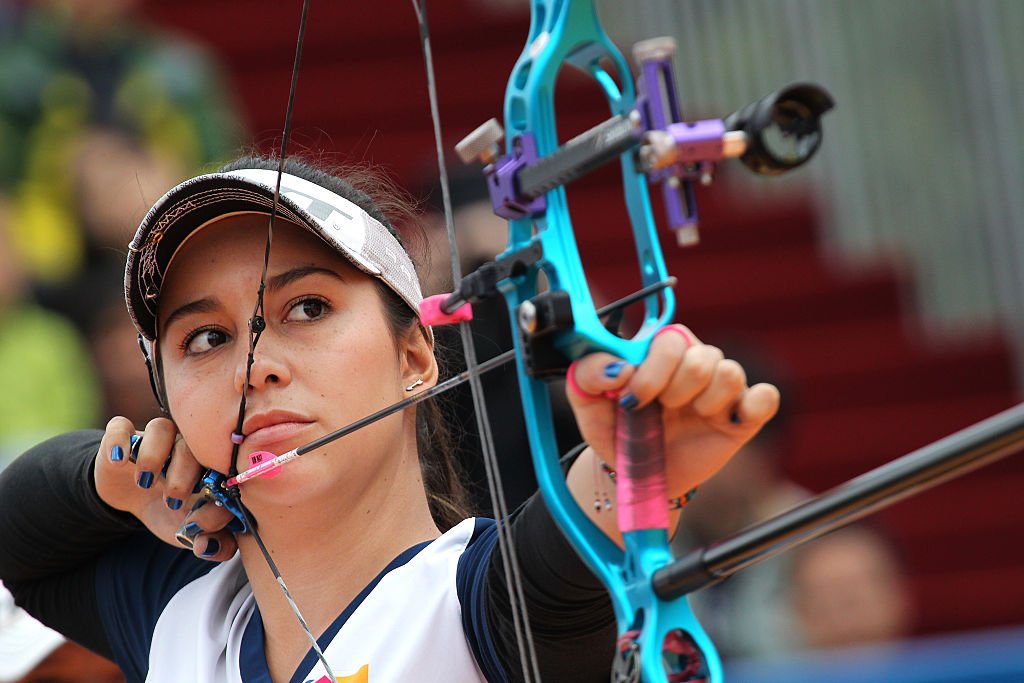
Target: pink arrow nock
431,313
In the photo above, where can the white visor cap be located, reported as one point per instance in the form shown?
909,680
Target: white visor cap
362,239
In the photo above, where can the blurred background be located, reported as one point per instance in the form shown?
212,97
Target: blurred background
881,285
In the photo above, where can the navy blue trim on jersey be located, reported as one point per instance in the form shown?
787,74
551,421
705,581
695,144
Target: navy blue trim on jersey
134,583
253,657
471,586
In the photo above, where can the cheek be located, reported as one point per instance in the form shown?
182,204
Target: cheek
199,409
357,364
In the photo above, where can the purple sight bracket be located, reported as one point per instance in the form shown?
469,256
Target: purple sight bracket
671,153
502,182
658,106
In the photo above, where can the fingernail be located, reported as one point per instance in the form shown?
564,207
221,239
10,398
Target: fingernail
212,547
734,417
174,503
236,525
134,447
199,503
186,535
614,369
629,401
117,454
145,479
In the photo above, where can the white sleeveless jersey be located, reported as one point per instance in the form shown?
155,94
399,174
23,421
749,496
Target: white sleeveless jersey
406,625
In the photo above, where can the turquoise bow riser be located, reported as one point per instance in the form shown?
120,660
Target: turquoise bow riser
567,32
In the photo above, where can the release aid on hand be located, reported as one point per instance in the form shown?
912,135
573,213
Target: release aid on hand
211,485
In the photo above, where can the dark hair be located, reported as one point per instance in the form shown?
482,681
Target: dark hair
372,191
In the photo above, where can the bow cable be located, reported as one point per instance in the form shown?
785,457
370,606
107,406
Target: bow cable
510,562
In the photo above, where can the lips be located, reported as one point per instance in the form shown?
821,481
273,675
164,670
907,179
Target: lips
262,429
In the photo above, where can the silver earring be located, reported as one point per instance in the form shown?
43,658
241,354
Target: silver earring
414,384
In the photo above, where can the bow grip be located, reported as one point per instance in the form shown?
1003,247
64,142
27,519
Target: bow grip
640,482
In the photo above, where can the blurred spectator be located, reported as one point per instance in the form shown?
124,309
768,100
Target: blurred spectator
32,653
68,65
49,386
114,180
848,589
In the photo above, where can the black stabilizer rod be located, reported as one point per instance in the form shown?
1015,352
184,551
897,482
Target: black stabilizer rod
969,449
581,155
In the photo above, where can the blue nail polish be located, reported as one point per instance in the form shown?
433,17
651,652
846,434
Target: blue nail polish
212,548
134,447
145,479
236,525
199,503
734,417
614,369
174,503
117,454
629,401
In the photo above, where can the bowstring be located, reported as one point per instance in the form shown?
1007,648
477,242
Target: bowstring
257,324
510,560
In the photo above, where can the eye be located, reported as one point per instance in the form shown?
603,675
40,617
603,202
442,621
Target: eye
203,340
307,310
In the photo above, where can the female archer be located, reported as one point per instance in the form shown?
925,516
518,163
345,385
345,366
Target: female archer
397,582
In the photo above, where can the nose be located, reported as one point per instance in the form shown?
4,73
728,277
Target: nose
269,368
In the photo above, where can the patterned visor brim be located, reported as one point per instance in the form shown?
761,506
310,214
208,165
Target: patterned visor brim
194,203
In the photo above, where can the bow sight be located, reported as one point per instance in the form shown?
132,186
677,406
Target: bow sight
773,135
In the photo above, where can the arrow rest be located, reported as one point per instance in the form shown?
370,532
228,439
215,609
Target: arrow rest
540,320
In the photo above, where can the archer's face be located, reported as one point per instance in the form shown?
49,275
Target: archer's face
326,358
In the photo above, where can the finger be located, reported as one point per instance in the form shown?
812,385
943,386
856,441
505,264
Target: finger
215,547
182,474
691,376
154,451
207,516
592,378
588,383
727,384
758,404
116,442
668,350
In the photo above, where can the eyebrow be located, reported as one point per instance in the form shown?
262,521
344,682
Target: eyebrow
299,272
207,305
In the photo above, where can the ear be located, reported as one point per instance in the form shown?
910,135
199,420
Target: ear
417,357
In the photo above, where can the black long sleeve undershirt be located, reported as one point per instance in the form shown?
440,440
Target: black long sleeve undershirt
54,527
